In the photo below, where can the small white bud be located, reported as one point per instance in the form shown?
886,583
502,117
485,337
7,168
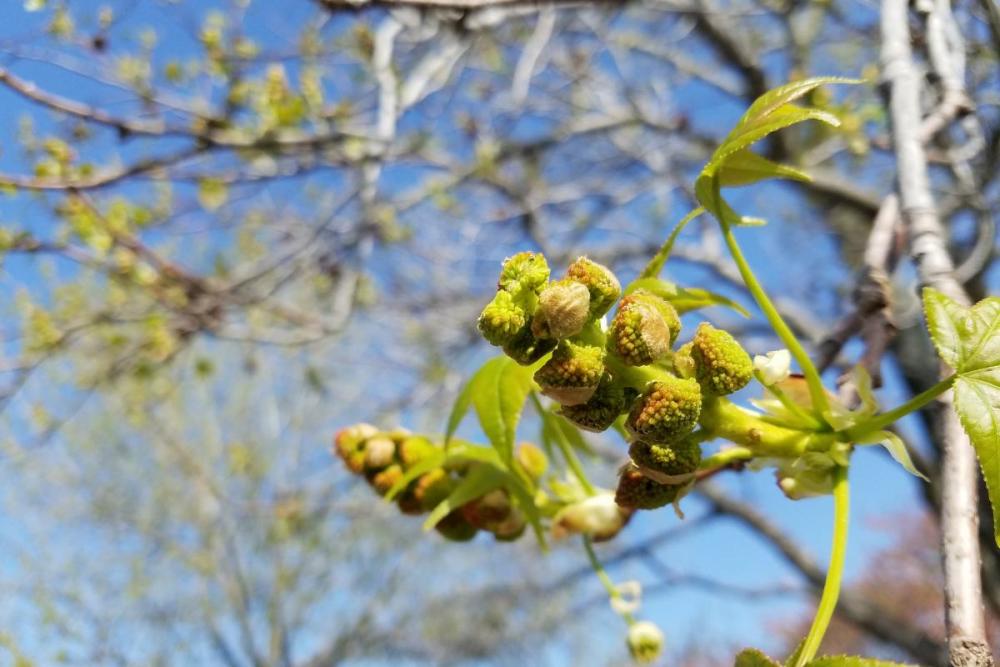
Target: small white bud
774,367
645,641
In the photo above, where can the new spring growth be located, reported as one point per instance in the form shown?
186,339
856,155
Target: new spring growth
645,641
644,329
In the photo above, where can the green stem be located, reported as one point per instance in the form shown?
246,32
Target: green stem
566,449
655,264
609,585
816,390
879,422
724,419
789,404
726,457
831,589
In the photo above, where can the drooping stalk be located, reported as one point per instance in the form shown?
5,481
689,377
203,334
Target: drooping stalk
609,586
834,576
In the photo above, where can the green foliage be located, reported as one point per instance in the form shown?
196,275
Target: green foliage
968,340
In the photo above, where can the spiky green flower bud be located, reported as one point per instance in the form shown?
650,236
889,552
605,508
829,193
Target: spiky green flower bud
722,366
379,452
572,374
454,527
636,491
524,271
602,284
609,401
644,328
645,642
533,460
563,310
384,480
415,449
680,458
501,319
525,349
668,409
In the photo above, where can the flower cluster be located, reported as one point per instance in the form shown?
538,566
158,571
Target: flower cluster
599,372
384,458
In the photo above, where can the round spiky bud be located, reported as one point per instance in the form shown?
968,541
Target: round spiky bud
636,491
668,409
572,374
645,642
385,479
602,284
351,439
610,400
532,459
525,349
501,319
563,310
679,458
379,452
488,510
415,449
644,328
433,487
722,366
455,528
524,271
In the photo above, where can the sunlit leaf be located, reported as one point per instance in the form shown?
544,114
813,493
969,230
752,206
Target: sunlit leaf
480,481
746,167
896,448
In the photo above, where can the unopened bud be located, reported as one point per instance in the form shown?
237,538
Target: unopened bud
533,460
602,284
645,641
571,376
722,365
454,527
668,409
598,516
387,478
563,310
488,510
644,328
379,452
524,271
525,349
636,491
675,460
609,401
415,449
774,367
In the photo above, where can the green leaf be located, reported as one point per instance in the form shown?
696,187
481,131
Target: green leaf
852,661
896,448
461,406
418,469
499,392
968,340
764,105
479,481
526,501
751,657
555,428
746,167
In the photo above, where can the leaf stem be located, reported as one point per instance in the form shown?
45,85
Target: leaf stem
609,585
880,421
788,403
572,461
831,589
816,390
655,264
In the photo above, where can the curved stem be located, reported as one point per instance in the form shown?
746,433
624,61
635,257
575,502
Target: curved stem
879,422
831,589
816,390
609,586
572,461
660,258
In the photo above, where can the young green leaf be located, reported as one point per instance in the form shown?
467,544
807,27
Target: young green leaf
684,299
968,340
498,391
896,448
746,167
480,481
764,105
751,657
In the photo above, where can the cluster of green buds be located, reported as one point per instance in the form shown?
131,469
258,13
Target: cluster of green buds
384,457
600,372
